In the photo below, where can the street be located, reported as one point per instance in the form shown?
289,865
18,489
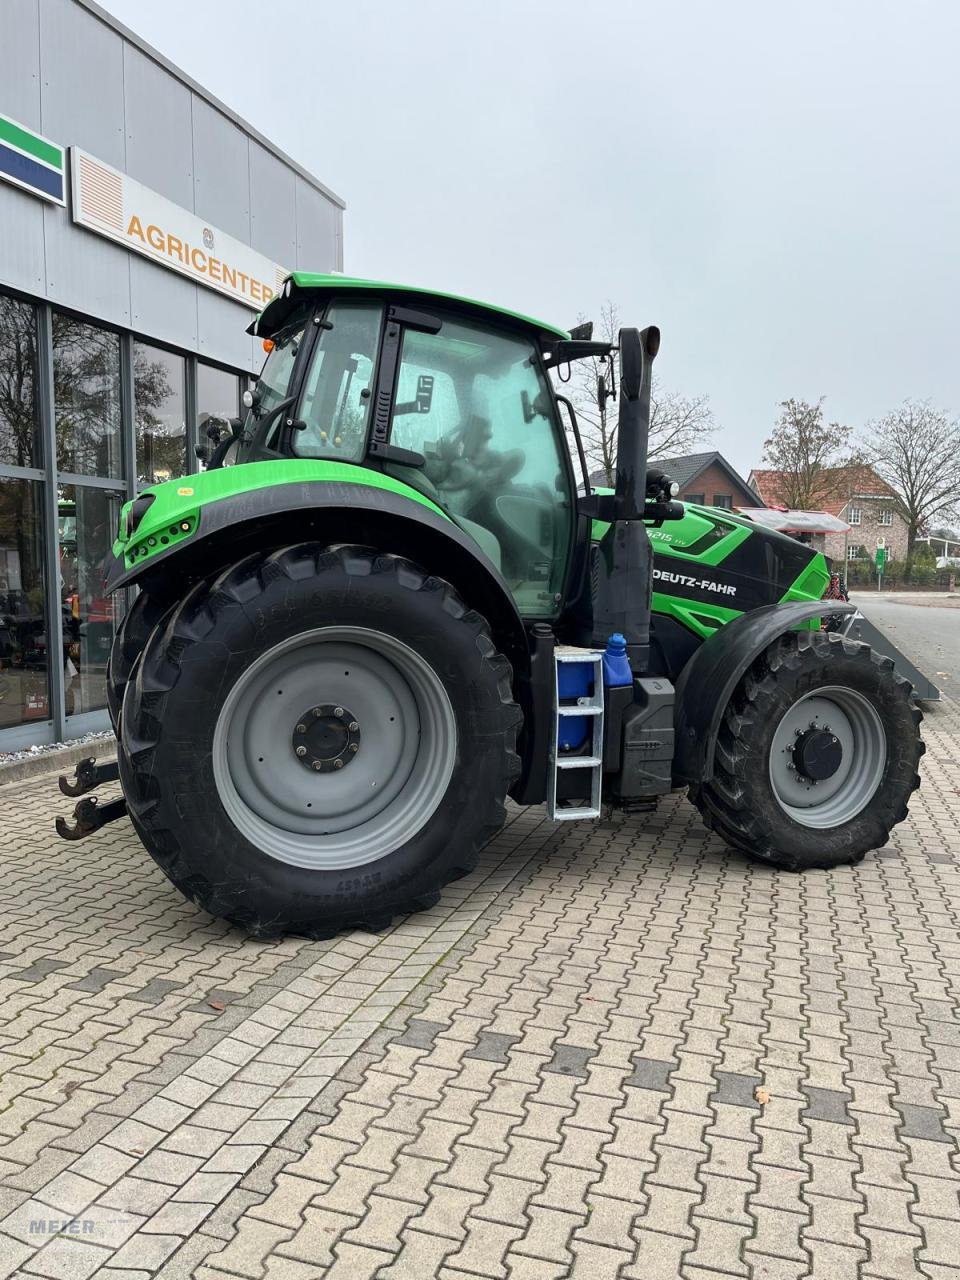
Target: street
929,634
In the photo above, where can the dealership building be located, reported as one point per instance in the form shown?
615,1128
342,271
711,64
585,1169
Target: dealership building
142,223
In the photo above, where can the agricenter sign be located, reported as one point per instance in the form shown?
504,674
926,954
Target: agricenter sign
116,206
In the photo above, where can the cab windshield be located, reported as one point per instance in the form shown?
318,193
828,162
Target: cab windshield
273,385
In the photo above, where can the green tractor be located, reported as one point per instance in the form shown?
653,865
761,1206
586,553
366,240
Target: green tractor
392,600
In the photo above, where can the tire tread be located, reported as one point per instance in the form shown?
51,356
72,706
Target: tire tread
725,802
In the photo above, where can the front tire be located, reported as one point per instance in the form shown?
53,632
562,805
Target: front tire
817,754
135,627
318,739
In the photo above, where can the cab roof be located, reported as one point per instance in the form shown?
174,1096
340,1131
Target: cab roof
298,283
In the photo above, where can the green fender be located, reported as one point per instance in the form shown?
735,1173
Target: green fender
178,532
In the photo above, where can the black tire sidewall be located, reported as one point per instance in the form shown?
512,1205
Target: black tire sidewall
135,628
195,837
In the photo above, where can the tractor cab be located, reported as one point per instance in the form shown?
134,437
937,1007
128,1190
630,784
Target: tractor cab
444,394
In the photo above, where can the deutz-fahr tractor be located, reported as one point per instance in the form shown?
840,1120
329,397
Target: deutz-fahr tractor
393,599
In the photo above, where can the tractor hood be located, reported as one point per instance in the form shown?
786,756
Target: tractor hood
712,565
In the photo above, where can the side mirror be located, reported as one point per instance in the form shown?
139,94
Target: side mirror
215,426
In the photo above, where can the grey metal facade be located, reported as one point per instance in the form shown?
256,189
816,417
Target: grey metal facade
70,71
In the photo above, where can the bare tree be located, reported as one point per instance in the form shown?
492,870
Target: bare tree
162,436
18,384
805,450
677,422
916,449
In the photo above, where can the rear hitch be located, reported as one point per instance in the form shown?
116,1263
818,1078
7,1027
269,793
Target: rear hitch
89,817
87,775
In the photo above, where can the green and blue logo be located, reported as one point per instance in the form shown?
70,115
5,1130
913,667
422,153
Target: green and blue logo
32,162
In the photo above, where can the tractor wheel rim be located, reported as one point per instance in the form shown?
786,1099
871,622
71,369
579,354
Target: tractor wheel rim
395,765
850,726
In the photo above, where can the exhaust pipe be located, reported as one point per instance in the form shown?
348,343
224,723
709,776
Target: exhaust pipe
623,569
637,353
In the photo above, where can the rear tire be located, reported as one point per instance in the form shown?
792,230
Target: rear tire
759,803
253,688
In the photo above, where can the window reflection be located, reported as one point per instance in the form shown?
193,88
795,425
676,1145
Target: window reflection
86,374
159,403
87,412
19,417
24,685
88,521
217,395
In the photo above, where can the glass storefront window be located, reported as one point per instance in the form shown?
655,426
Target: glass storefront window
88,522
158,392
24,685
87,438
19,418
218,396
86,376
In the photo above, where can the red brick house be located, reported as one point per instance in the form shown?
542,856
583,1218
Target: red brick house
705,478
708,479
856,495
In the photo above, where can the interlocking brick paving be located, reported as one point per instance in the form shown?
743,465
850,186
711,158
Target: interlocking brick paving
617,1049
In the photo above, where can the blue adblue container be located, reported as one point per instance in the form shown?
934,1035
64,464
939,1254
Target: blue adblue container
574,681
616,664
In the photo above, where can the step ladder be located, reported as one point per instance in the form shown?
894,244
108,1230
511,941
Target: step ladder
587,758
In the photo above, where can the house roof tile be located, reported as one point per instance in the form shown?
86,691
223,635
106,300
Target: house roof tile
841,486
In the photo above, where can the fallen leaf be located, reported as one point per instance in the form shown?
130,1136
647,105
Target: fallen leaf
762,1095
217,1004
137,1151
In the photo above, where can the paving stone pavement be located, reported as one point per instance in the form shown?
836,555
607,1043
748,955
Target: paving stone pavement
615,1050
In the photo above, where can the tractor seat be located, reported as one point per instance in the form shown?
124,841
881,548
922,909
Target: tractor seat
416,479
485,540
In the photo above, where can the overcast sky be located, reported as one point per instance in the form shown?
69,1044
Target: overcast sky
778,190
